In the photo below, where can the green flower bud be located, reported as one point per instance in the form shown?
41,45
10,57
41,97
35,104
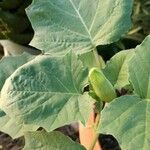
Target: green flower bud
101,85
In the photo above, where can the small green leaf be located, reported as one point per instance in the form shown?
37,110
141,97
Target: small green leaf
139,69
48,92
41,140
127,118
78,25
116,69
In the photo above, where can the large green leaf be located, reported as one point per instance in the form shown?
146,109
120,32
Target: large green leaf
127,118
80,25
48,91
42,140
9,64
139,69
13,127
116,69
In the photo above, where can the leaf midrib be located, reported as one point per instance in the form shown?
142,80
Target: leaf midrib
82,21
50,92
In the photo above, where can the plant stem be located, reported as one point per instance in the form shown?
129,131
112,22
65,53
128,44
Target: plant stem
96,134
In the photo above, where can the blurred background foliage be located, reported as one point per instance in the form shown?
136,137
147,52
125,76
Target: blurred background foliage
14,25
141,21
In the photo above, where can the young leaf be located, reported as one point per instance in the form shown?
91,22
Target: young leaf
139,69
12,127
88,59
116,69
127,118
48,92
78,25
42,140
